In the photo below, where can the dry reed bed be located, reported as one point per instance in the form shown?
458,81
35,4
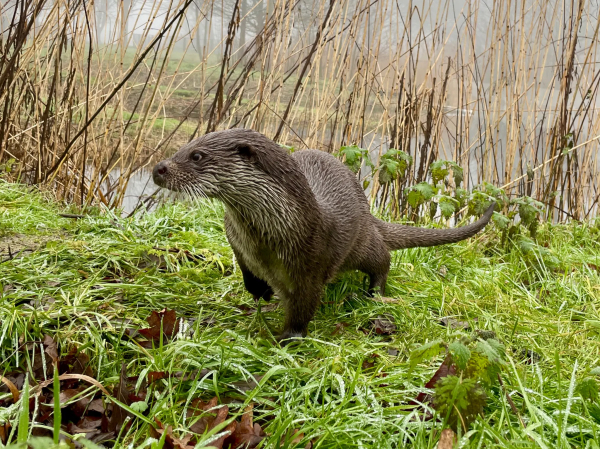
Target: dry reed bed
508,90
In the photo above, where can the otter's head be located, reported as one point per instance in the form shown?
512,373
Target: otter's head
224,164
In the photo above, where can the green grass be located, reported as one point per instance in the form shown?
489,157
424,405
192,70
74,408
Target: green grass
89,279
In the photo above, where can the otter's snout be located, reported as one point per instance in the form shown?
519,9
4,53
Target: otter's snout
159,173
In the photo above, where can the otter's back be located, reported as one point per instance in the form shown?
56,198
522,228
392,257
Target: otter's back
338,194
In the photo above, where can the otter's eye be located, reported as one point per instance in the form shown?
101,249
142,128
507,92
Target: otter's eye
196,157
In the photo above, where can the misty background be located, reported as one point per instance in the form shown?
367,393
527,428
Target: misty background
104,89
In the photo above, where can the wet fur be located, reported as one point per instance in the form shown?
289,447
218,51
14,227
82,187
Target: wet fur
293,221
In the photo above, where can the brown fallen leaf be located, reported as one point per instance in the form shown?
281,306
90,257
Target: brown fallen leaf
297,437
528,356
246,434
97,406
339,328
248,385
447,439
153,376
210,415
369,362
485,335
89,423
121,393
171,441
75,362
62,377
383,326
12,387
453,323
386,299
68,394
4,432
165,318
447,368
50,348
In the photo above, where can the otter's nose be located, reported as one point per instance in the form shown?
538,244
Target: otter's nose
160,170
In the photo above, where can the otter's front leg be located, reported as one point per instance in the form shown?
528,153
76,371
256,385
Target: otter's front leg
256,286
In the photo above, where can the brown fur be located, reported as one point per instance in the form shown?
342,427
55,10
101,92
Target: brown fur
293,221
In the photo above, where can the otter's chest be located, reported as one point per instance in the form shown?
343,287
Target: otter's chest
258,254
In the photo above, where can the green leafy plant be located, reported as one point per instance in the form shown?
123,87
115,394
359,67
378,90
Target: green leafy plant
393,165
353,156
471,366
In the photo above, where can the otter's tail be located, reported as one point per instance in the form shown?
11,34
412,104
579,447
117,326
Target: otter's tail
398,236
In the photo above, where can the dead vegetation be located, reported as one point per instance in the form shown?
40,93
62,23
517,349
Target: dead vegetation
508,92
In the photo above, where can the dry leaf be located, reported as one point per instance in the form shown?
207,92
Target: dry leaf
447,368
246,434
339,328
383,326
121,393
453,323
247,385
50,348
446,439
12,387
386,299
168,320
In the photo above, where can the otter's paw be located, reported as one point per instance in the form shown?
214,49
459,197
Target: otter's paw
288,337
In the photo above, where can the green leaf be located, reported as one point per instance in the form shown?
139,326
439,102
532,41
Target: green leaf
57,411
441,169
588,389
290,149
448,206
594,410
458,400
491,349
477,368
432,210
393,165
595,371
461,195
501,221
354,156
414,198
40,442
23,433
426,351
438,171
425,189
139,406
88,444
460,354
457,173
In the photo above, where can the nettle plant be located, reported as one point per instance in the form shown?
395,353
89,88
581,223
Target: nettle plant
589,391
517,219
460,387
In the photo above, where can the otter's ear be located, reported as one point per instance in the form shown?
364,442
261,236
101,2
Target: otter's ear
247,151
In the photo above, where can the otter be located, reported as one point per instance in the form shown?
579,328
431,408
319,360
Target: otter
293,220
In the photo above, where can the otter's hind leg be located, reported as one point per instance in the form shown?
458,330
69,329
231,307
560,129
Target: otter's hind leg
377,283
377,265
